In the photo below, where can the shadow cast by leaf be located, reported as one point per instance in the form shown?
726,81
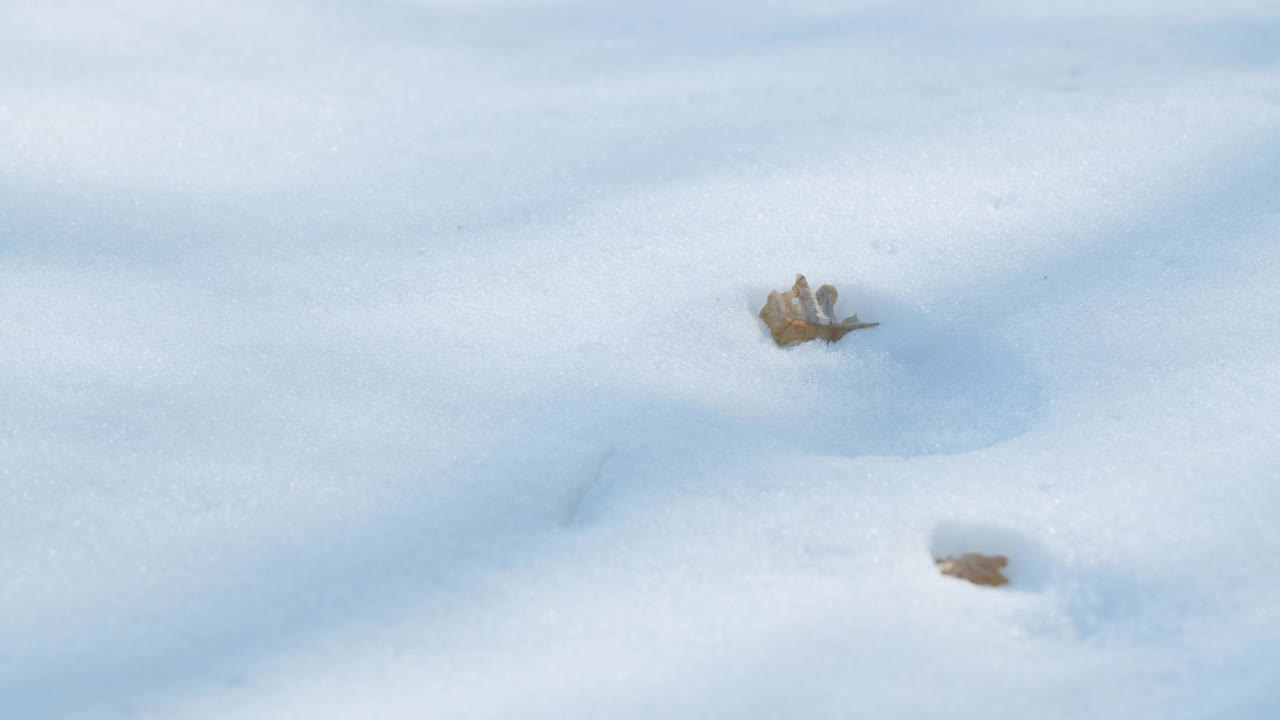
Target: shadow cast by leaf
913,385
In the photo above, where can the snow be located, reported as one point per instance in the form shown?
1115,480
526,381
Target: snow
399,359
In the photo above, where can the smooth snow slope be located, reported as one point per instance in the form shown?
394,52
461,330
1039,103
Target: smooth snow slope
398,359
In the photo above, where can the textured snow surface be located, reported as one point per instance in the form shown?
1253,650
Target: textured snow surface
399,359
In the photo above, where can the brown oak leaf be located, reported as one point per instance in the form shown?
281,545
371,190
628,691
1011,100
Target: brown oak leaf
977,569
800,315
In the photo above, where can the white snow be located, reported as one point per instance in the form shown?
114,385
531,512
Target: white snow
399,359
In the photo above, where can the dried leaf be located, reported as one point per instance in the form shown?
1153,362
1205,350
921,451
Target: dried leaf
977,569
800,315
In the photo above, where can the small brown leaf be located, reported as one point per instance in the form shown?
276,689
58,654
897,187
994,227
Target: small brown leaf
800,315
977,569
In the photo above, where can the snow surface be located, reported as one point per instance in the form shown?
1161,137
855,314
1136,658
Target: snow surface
399,359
